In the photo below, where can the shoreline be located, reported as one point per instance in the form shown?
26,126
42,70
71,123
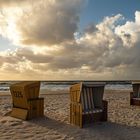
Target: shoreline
50,92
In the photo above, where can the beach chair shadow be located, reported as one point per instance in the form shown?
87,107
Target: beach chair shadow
97,130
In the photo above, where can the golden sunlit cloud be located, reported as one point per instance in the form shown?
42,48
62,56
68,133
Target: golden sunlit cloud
41,22
52,48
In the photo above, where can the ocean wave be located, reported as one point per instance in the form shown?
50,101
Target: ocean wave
66,85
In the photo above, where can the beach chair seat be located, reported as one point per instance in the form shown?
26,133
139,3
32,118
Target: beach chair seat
26,101
92,111
136,99
86,103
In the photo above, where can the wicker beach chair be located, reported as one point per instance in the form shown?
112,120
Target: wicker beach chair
26,101
135,95
86,103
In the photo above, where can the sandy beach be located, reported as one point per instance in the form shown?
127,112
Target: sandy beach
123,120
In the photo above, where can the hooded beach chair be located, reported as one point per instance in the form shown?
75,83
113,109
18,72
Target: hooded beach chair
86,103
26,101
135,95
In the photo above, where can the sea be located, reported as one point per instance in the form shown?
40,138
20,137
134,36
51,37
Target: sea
64,85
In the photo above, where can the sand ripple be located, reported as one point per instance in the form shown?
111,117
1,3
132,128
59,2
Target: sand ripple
123,121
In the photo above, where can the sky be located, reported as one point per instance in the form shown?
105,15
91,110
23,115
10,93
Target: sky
96,10
69,40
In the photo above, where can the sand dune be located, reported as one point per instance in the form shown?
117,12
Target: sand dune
123,121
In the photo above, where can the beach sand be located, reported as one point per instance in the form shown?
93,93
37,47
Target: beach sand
123,120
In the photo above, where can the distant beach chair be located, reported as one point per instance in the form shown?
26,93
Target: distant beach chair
135,95
26,101
87,104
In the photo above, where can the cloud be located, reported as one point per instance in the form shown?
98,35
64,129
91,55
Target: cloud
108,50
116,47
40,23
90,28
130,31
9,3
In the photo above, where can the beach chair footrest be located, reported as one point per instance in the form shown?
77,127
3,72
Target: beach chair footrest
135,101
